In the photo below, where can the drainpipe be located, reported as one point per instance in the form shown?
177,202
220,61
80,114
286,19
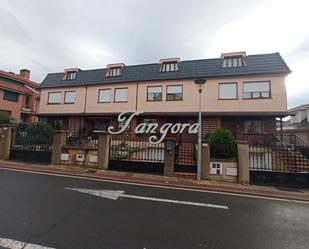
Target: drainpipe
85,105
136,98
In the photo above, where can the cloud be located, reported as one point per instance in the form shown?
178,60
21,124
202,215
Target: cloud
51,35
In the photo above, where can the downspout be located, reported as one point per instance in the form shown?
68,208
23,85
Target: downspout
136,98
85,107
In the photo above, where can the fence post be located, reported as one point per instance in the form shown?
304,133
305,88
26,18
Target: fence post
243,162
205,167
169,156
103,150
5,142
60,138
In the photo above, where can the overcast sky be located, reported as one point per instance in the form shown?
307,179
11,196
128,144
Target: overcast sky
51,35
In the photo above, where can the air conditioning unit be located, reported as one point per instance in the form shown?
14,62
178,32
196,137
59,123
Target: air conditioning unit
216,168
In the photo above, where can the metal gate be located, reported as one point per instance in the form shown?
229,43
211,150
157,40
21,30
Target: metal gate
278,160
135,154
29,147
186,154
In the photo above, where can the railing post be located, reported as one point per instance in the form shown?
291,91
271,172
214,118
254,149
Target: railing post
169,156
205,164
60,137
103,149
5,142
243,162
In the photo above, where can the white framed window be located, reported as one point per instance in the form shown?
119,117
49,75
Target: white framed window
228,90
69,97
154,93
169,67
216,168
233,62
71,75
256,90
113,71
121,94
105,95
174,92
54,98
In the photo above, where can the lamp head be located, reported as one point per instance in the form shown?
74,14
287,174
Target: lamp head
200,81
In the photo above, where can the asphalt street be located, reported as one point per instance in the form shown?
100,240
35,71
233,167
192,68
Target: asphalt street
72,213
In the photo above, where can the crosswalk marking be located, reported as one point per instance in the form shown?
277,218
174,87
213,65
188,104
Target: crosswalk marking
15,244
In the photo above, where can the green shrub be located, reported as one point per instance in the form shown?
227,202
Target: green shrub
222,144
5,118
39,132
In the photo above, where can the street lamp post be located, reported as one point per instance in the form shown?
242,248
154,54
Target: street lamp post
200,83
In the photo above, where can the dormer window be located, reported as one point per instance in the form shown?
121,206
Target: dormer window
169,65
234,59
70,74
114,69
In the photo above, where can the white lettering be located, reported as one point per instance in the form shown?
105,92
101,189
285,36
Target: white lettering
141,128
193,129
151,128
121,118
176,128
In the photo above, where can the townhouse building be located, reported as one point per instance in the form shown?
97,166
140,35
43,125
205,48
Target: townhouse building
19,96
243,93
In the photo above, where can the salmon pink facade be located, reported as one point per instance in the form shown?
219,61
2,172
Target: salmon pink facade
244,97
19,96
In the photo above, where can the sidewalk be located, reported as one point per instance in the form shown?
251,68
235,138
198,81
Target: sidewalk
282,193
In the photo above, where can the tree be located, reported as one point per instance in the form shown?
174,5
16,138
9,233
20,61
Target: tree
222,144
39,133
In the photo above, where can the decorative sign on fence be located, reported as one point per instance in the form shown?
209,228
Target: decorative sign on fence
153,128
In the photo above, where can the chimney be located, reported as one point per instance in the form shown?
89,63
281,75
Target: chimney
25,73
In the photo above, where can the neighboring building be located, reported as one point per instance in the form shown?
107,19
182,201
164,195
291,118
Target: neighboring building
19,95
298,124
243,93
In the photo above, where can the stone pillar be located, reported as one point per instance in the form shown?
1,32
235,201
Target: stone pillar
60,139
103,150
5,142
243,162
205,165
169,156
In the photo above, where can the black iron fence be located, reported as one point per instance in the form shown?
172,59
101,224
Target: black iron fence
128,148
82,138
22,139
295,142
268,153
31,145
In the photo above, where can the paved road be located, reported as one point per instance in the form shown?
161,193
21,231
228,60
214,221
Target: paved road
39,209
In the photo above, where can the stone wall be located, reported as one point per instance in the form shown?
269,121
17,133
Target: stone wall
87,157
223,170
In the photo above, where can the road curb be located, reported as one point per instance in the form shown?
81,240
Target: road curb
179,183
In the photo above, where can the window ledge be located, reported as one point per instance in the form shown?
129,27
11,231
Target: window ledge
230,99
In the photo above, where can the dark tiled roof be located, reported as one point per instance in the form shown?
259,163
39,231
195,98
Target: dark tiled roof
256,65
18,78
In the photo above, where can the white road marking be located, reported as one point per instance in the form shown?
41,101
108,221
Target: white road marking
15,244
252,196
116,194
